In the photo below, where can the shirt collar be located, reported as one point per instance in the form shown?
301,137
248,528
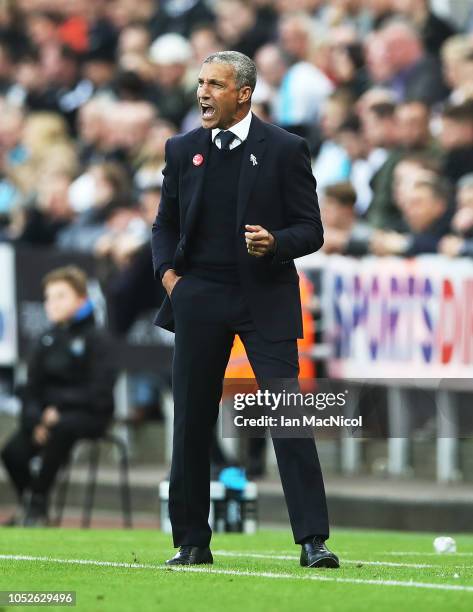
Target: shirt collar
240,129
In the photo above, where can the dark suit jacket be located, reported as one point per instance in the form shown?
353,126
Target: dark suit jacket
277,192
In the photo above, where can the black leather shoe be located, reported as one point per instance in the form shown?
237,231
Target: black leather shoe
191,555
316,554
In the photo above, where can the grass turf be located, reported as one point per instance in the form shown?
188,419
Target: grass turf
362,553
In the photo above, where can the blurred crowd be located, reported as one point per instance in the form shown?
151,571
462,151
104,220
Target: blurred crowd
91,90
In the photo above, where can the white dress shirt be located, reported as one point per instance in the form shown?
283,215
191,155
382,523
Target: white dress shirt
240,130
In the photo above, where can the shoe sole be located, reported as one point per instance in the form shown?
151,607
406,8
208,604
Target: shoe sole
208,561
198,563
325,562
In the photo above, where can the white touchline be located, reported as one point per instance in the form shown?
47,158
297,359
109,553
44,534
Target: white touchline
414,553
253,555
276,575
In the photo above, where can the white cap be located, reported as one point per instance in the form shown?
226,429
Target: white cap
170,49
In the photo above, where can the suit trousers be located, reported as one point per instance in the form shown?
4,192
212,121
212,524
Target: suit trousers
207,316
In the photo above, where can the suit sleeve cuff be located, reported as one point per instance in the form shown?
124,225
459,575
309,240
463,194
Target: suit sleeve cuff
277,256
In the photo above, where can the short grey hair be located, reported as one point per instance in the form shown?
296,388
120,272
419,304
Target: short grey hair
244,67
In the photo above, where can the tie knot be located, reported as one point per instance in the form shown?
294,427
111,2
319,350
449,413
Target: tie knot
226,137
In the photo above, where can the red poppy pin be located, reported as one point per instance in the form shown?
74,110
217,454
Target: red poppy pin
198,159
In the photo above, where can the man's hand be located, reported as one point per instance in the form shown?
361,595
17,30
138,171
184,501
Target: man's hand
170,278
40,434
50,416
462,222
388,243
259,241
450,246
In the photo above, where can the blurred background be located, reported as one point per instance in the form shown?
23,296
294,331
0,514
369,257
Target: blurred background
383,92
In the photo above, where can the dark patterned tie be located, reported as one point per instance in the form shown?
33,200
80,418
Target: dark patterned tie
226,137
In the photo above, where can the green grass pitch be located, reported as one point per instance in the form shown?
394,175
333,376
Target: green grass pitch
121,570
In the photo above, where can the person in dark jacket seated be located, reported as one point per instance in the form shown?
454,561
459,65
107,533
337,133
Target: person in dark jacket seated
68,396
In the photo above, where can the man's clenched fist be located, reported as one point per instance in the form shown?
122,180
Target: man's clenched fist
259,241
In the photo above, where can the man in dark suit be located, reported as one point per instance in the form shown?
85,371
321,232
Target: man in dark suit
238,204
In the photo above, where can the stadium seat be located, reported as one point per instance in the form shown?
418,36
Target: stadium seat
93,464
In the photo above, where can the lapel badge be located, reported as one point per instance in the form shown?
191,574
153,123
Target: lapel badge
198,159
253,160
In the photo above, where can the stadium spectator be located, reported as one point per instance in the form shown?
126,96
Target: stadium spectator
460,243
68,396
426,215
135,118
28,86
65,88
272,65
374,95
412,126
107,193
47,146
92,131
238,26
376,60
413,117
50,211
332,163
351,13
99,69
380,130
406,68
171,53
204,41
349,68
129,293
42,28
345,234
134,38
304,87
149,161
454,54
351,138
411,169
456,138
434,30
180,18
380,126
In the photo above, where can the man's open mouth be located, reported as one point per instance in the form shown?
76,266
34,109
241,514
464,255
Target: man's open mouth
207,111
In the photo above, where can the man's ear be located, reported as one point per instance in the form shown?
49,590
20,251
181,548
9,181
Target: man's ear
244,94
